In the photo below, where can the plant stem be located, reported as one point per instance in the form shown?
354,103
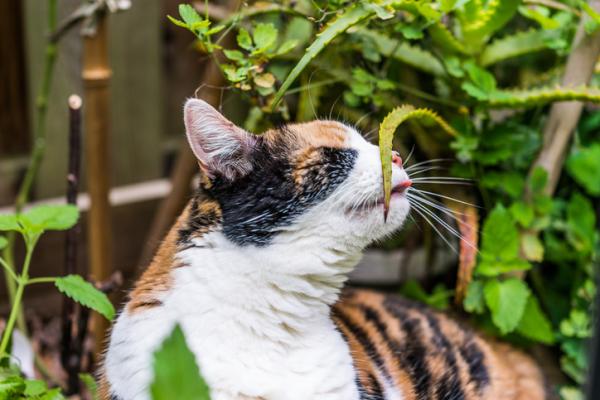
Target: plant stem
9,271
41,280
36,155
16,303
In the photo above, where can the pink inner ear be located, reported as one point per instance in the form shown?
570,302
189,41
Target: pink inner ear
220,146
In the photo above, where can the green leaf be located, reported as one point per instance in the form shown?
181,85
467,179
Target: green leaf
535,324
3,242
189,15
86,294
234,55
264,36
334,28
500,236
404,52
539,15
522,213
11,387
514,45
539,178
244,40
481,78
506,300
474,301
386,135
532,246
50,217
287,46
584,166
177,22
529,98
577,325
34,387
90,384
581,222
176,374
9,222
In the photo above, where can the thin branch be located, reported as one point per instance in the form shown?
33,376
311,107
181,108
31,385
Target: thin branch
564,116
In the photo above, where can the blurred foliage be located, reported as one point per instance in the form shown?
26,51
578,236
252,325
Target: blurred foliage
490,68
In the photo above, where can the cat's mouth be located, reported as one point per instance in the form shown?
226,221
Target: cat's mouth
398,190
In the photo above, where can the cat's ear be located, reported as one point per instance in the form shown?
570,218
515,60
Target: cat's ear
222,148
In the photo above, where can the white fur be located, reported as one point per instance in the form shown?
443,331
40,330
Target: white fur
257,319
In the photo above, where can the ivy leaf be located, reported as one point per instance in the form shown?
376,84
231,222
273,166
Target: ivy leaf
86,294
244,40
189,15
50,217
506,300
584,166
264,36
176,374
534,324
474,301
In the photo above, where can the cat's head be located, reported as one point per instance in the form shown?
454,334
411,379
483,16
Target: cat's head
317,178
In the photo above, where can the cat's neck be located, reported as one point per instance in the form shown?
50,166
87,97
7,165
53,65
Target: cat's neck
295,279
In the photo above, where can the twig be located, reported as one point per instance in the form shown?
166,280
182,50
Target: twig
70,357
564,116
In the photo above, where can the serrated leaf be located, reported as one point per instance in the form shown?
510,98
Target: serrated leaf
264,36
86,294
34,387
50,217
506,300
506,98
386,135
244,40
176,374
500,236
534,324
404,52
337,26
584,166
515,45
11,387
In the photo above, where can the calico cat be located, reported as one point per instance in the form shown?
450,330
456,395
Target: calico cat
253,271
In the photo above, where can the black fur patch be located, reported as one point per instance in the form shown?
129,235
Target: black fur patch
257,205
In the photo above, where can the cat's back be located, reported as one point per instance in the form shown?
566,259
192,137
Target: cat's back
400,346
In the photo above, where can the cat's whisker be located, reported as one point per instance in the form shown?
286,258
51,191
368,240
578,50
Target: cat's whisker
443,223
416,209
409,155
423,170
445,178
441,183
445,197
426,162
435,204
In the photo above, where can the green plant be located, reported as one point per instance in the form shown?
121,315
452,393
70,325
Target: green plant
491,68
31,225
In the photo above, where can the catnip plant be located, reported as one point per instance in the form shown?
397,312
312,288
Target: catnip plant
467,80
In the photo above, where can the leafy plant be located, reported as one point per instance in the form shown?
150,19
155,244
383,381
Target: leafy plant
489,68
31,225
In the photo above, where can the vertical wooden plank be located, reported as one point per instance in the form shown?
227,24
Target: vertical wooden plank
136,95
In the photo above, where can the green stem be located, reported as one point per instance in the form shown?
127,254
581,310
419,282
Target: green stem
41,280
16,304
9,271
36,155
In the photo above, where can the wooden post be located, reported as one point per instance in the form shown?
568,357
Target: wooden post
96,78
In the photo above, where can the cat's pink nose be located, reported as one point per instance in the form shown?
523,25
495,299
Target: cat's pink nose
396,159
